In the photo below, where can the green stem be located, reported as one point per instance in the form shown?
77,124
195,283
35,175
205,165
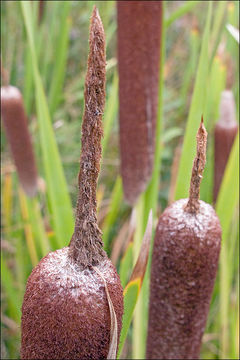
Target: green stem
138,346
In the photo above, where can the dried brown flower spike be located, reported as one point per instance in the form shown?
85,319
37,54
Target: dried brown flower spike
139,34
74,297
18,136
224,135
184,265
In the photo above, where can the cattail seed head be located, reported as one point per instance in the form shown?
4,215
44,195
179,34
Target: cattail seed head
18,136
184,266
139,34
224,135
66,312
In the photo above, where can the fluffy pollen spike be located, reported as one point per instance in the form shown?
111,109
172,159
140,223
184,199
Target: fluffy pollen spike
68,311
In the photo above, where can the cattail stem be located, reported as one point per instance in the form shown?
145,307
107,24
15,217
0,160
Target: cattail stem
197,170
86,243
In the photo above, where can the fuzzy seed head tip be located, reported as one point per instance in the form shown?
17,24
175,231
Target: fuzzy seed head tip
96,22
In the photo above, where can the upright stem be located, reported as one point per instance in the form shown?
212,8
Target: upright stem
86,243
197,170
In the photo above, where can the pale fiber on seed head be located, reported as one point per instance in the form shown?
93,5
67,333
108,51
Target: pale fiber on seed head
86,243
197,170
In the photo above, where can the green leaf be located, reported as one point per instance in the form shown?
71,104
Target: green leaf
115,201
61,52
56,184
228,196
12,294
126,264
227,201
132,290
181,11
131,293
110,112
195,112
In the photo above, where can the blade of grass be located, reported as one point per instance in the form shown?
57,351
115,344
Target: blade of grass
46,37
226,203
191,67
115,201
138,345
56,183
61,52
7,200
132,290
217,27
181,11
27,227
12,294
38,226
110,112
126,264
195,112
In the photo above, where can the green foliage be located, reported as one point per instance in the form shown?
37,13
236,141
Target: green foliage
194,117
56,184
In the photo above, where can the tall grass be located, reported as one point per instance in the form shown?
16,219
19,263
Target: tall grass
42,67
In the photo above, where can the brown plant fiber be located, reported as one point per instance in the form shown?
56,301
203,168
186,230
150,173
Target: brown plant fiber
184,266
86,243
65,313
66,307
18,136
197,170
139,34
224,135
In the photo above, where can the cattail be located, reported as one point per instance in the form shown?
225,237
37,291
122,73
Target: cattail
18,136
184,266
224,135
74,294
139,34
41,4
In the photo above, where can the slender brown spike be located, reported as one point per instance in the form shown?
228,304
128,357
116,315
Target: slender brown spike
84,251
224,135
139,34
18,136
197,170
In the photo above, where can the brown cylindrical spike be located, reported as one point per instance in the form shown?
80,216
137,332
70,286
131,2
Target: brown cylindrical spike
66,307
224,135
139,34
18,136
184,265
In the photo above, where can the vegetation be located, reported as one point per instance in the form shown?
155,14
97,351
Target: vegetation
46,59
